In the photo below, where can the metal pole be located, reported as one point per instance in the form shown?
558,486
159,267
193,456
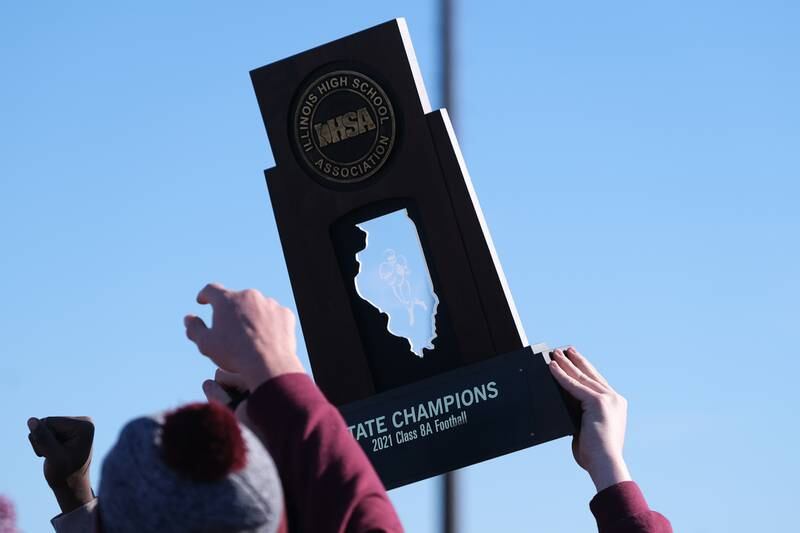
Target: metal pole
446,48
449,508
449,480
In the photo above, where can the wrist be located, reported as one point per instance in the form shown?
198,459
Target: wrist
608,471
254,377
73,496
262,371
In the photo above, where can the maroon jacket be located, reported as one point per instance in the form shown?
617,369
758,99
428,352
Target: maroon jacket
328,483
330,486
621,508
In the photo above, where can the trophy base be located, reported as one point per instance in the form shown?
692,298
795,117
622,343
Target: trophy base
461,417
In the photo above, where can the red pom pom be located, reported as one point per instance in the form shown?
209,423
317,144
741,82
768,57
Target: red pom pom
203,441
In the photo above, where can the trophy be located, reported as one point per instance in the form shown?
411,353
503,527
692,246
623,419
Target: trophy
409,323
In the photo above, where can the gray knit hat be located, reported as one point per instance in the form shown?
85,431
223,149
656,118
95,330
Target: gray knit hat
199,471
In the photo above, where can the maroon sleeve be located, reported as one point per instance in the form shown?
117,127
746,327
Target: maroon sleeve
621,508
329,484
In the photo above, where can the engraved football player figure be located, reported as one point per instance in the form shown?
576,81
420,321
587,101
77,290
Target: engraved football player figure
395,271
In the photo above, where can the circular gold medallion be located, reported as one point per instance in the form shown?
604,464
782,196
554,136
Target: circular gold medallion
344,126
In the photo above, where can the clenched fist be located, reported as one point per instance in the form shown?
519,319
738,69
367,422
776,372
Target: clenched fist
66,445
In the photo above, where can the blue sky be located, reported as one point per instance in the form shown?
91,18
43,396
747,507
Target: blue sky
637,163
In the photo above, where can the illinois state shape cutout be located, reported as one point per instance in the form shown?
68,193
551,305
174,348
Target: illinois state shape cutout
393,276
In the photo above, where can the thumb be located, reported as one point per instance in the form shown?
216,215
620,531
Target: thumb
215,393
42,439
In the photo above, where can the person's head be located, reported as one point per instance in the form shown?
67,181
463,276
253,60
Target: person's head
191,470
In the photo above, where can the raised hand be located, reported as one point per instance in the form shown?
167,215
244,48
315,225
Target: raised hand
251,335
598,446
66,445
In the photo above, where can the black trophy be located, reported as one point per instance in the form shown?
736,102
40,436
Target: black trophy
409,323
